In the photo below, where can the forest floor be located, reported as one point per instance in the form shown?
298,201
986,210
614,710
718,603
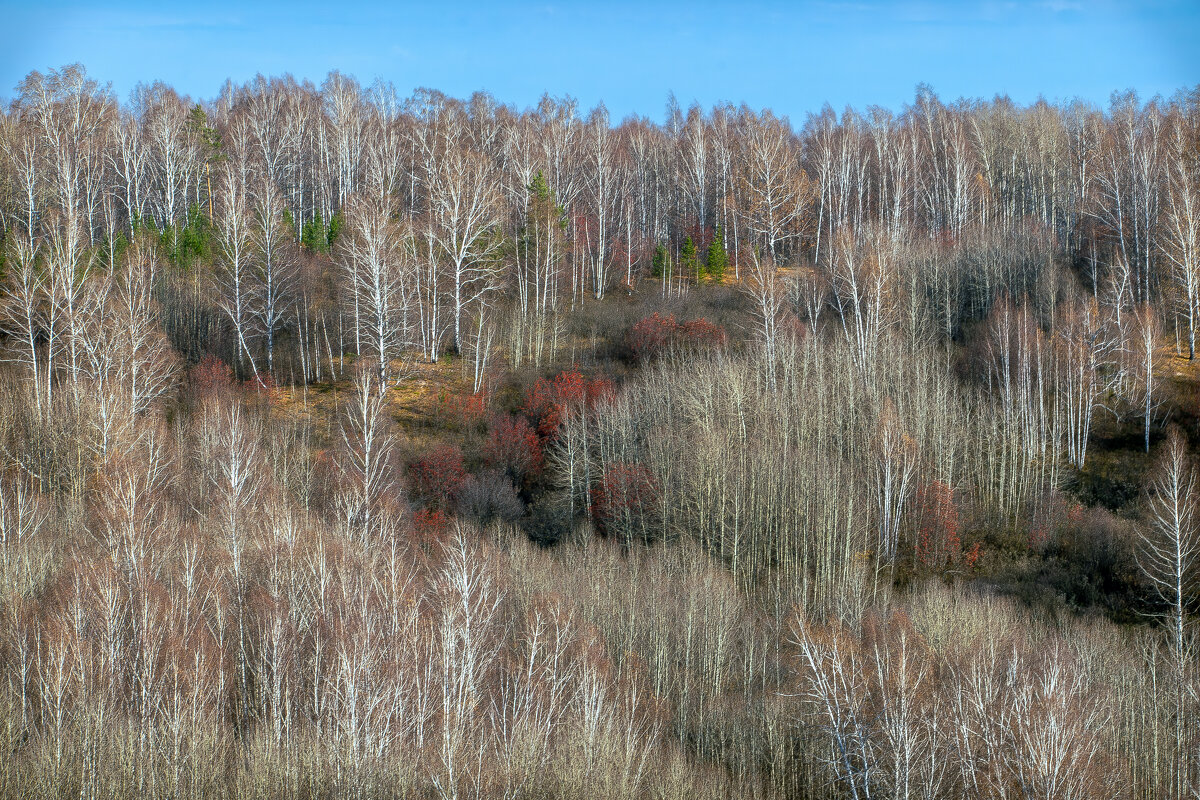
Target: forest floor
1183,391
424,402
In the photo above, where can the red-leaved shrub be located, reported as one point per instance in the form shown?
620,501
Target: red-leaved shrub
429,524
938,544
653,335
438,475
211,377
548,401
513,446
702,334
460,411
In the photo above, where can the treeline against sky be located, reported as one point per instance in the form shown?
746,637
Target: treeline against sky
479,204
749,459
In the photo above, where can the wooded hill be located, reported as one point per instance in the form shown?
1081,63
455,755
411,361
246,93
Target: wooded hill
360,445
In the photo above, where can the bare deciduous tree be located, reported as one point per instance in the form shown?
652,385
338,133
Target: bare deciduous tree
1169,556
376,259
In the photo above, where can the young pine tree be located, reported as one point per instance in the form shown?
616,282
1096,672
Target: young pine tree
660,264
716,259
315,237
336,223
689,261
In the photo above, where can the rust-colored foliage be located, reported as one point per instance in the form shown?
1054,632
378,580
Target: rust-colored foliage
542,408
438,475
599,390
701,333
548,402
429,525
212,377
461,411
653,335
513,446
938,545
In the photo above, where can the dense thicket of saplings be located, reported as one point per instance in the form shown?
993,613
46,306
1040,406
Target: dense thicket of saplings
359,445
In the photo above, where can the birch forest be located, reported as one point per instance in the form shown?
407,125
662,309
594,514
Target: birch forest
360,445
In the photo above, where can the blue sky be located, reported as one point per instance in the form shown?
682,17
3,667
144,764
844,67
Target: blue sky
792,57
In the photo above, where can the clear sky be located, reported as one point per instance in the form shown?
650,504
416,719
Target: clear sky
791,57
